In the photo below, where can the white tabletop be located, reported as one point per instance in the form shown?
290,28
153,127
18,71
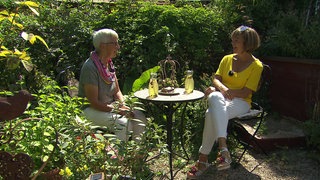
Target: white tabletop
180,97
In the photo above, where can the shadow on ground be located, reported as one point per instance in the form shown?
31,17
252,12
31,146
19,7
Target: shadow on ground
238,172
283,163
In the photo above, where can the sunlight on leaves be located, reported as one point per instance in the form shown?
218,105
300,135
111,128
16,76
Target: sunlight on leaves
14,58
32,38
50,147
42,40
5,53
26,36
28,3
31,5
45,158
10,17
34,11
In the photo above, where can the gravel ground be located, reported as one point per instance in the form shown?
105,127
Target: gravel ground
282,163
293,164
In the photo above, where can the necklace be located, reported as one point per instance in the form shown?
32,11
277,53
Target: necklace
107,73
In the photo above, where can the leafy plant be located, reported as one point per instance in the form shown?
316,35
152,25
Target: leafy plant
60,137
10,55
193,38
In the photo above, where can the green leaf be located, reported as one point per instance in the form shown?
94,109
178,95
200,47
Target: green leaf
27,65
34,10
4,12
42,40
144,78
136,120
45,158
46,134
99,136
35,143
109,136
28,3
12,62
50,147
79,120
5,53
138,108
65,145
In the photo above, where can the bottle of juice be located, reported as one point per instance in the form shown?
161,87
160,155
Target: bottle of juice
189,82
153,85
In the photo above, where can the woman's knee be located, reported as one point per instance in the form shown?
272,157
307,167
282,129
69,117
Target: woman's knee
140,115
215,98
98,117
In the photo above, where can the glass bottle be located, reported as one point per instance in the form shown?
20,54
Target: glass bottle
189,82
153,85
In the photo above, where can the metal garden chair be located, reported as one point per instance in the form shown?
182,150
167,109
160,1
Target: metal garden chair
254,118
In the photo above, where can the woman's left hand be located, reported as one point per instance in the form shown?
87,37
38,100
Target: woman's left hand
209,90
125,111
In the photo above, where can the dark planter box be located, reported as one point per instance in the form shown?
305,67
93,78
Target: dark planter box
278,132
262,143
295,86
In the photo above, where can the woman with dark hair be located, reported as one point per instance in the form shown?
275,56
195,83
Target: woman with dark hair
234,82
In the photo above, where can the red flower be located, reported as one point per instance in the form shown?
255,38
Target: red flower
93,136
78,138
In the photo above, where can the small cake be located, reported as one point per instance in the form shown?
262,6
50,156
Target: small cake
167,90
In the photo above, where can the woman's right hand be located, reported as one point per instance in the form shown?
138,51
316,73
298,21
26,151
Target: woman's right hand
227,94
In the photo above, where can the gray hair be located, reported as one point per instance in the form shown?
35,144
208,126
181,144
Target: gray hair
103,36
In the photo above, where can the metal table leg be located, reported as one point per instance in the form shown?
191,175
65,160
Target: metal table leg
169,115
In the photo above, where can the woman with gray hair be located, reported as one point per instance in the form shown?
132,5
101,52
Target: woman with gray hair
99,85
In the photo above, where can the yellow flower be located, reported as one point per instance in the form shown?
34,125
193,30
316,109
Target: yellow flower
100,146
61,172
68,171
84,168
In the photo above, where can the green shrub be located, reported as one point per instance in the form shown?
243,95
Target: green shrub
194,35
54,132
15,58
291,29
149,33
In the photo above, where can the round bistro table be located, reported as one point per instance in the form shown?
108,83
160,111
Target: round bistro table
169,103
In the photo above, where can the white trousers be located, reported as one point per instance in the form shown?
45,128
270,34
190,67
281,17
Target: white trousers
121,126
219,112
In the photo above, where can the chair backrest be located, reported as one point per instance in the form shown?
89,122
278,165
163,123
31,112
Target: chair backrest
261,96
